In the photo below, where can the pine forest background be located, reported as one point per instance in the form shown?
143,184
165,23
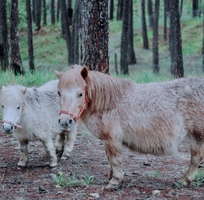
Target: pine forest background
50,45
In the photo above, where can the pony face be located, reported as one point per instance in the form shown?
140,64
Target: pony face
12,106
72,90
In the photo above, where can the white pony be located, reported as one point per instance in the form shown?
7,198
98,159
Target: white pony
32,114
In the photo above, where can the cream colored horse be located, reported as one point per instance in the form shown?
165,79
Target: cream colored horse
148,118
32,114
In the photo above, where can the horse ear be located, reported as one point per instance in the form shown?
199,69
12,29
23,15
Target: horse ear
84,73
24,89
59,74
3,88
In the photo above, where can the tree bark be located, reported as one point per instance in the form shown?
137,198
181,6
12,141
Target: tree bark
176,41
120,10
4,46
75,33
144,26
16,62
52,11
38,5
30,37
165,19
111,9
155,38
44,13
66,29
150,14
195,8
95,35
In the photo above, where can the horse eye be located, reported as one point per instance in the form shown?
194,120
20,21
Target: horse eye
80,94
58,93
18,107
2,106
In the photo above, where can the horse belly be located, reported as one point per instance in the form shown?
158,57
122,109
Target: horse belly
162,139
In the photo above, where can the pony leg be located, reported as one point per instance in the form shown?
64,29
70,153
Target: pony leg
114,154
50,149
197,151
24,153
60,142
69,143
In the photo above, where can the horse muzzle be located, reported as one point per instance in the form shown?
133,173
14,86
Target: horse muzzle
66,125
7,128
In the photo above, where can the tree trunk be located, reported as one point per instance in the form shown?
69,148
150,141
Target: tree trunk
65,26
75,33
144,26
30,37
58,10
150,14
16,62
95,35
120,10
111,9
203,40
181,7
165,19
4,46
195,8
132,58
69,12
155,38
52,11
176,42
44,13
124,62
38,5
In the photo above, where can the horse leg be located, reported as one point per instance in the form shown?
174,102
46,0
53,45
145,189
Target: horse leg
24,153
60,142
197,151
69,143
50,149
114,154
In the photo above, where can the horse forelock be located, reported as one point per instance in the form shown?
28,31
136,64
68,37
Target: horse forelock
12,94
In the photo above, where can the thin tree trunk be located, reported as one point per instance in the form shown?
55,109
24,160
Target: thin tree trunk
44,13
75,33
124,61
4,46
176,42
38,5
165,19
52,11
144,26
95,35
16,62
30,37
120,10
150,14
111,9
155,38
195,8
66,28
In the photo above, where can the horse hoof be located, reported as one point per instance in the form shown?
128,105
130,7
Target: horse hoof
113,186
22,163
53,164
64,157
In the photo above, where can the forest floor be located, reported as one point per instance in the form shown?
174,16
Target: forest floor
84,175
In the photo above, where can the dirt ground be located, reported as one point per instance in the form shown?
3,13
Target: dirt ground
144,174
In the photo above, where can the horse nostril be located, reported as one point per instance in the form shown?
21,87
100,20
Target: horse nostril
70,122
11,127
59,121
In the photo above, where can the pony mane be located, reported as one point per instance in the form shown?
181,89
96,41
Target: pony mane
107,89
13,93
